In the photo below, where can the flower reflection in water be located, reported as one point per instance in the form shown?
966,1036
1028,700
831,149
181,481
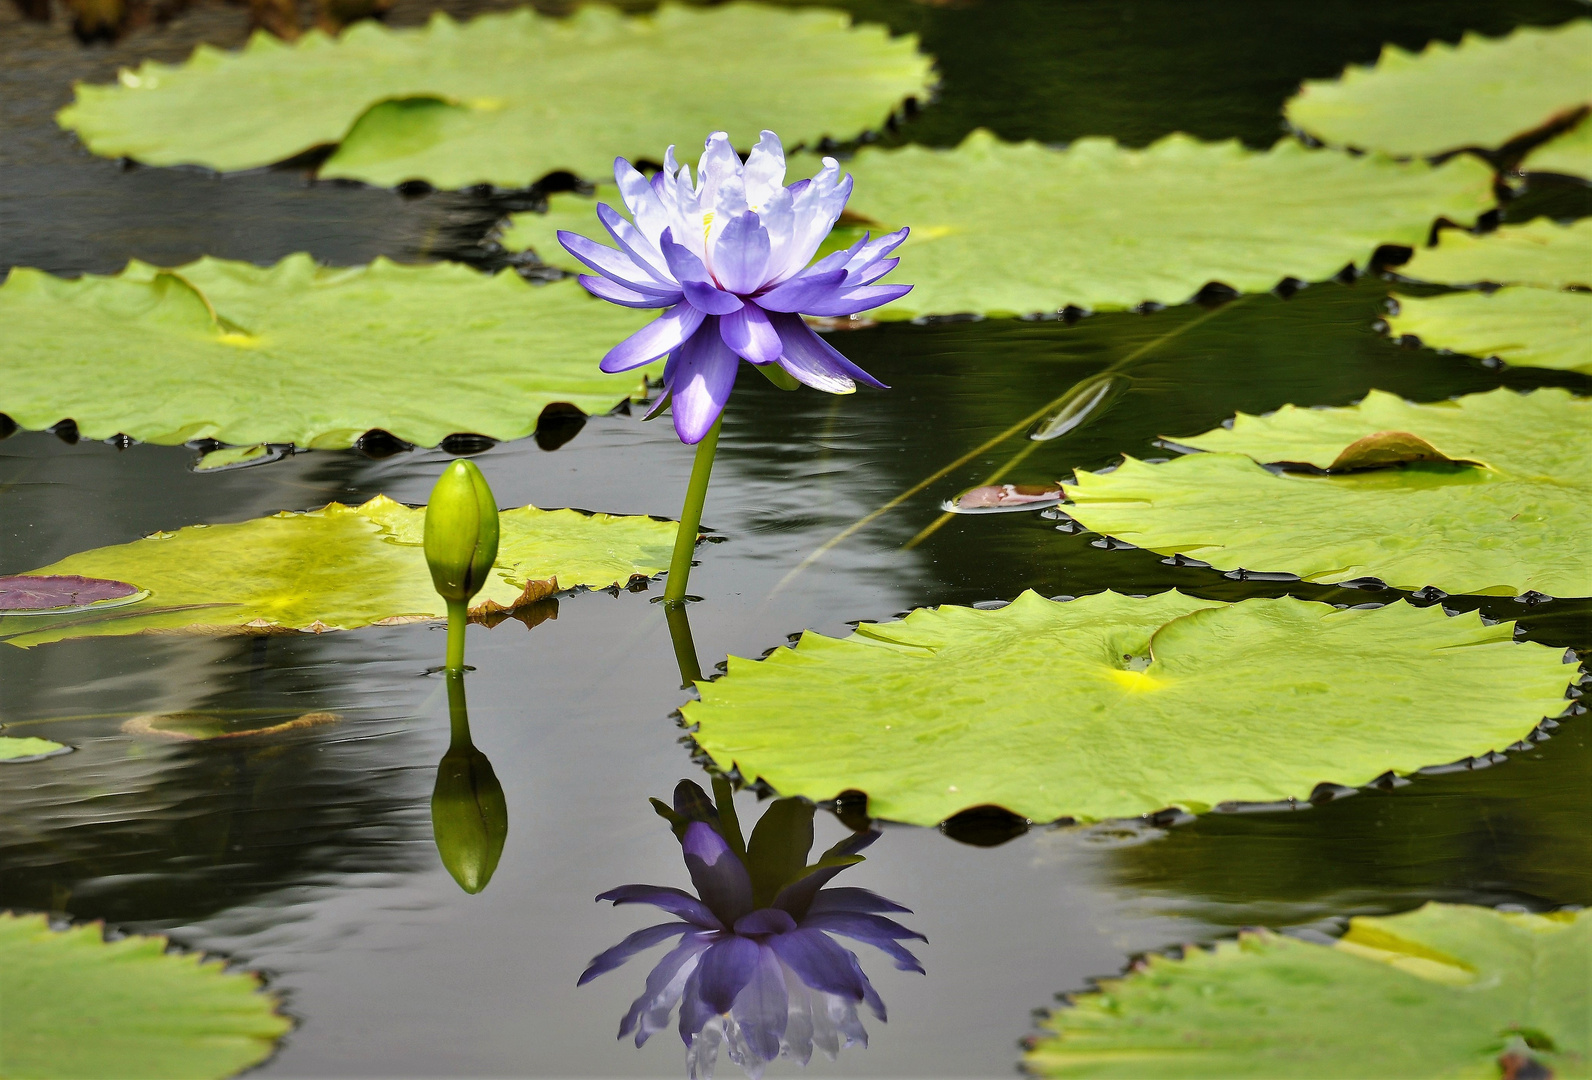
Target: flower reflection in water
756,970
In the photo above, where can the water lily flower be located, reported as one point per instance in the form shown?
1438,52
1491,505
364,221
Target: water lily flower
728,258
758,975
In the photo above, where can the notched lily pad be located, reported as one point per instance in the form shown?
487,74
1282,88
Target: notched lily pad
1483,93
1569,154
77,1005
62,594
303,354
1444,991
507,98
1487,494
343,567
1110,706
1541,253
1521,326
15,750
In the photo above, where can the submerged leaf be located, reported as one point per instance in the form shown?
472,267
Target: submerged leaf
1541,253
342,567
13,749
1110,706
507,98
1521,326
1514,519
1483,92
77,1005
303,354
1447,990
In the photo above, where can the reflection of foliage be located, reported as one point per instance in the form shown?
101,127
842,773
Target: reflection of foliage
1486,494
1444,991
78,1005
299,353
756,970
1114,706
507,98
1513,832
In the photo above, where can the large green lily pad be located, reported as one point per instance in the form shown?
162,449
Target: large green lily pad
13,748
507,98
1015,228
75,1005
1541,253
339,568
1482,93
298,353
1111,706
1486,494
1522,326
1445,991
1569,154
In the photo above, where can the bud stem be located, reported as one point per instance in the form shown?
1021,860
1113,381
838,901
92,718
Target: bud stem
691,516
458,619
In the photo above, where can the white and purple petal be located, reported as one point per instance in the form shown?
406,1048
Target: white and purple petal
674,901
738,259
663,335
750,334
813,361
703,377
640,941
721,879
615,293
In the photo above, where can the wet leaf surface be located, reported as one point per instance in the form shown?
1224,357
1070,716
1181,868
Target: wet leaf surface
1447,990
1110,706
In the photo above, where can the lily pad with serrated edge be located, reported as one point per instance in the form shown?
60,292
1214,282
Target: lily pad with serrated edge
77,1005
13,749
1496,498
1482,93
1110,706
1521,326
1015,228
1447,990
1541,253
304,354
1569,154
507,98
342,567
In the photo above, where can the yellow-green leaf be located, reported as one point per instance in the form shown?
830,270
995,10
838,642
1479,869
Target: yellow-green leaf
1541,253
1521,326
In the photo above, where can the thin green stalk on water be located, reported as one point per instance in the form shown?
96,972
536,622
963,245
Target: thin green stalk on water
696,494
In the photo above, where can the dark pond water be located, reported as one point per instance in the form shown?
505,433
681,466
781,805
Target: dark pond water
310,856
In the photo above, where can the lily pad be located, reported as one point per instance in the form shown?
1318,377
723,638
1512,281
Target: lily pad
1482,93
1522,326
1112,706
13,749
298,353
1499,501
342,567
1447,990
1569,154
507,98
77,1005
33,594
1541,253
1015,228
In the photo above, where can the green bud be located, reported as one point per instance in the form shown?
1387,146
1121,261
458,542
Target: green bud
461,531
469,817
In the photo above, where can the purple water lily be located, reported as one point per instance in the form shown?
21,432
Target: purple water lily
728,258
758,975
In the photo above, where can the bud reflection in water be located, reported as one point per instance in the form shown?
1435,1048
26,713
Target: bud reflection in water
756,971
469,817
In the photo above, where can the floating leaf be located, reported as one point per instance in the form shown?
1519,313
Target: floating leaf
342,567
1515,520
507,98
77,1005
1541,253
29,749
239,457
33,594
1483,92
1447,990
1111,706
297,353
1568,155
201,727
1013,228
1004,498
1522,326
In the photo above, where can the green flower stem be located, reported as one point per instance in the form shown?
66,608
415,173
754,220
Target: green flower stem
458,711
691,516
458,619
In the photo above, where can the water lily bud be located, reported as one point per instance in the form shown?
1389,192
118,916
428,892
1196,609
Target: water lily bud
469,817
461,532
